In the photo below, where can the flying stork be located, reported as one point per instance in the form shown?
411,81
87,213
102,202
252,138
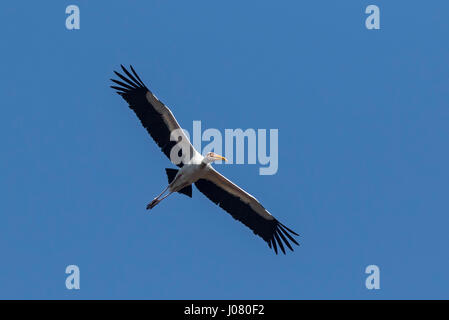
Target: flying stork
196,169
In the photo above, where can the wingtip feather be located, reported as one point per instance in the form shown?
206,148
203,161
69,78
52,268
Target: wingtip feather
279,242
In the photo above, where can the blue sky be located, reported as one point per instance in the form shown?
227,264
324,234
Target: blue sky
363,158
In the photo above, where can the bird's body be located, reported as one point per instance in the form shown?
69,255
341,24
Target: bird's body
189,174
195,168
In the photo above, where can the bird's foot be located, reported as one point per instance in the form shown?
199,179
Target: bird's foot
152,204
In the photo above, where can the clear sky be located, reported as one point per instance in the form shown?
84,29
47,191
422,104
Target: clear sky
363,148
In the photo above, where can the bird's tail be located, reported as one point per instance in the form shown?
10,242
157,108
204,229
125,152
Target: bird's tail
171,174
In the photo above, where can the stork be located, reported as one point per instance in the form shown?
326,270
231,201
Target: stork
195,168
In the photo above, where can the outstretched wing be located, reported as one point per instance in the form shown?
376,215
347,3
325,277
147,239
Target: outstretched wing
245,208
155,117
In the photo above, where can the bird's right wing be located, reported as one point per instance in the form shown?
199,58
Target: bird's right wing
245,208
155,117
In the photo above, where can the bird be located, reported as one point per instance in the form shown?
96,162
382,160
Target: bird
195,168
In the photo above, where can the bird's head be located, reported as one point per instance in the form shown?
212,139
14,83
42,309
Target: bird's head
211,157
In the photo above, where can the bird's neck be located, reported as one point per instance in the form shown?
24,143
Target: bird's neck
206,161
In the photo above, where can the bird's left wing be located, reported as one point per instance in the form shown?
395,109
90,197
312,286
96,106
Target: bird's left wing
245,208
154,116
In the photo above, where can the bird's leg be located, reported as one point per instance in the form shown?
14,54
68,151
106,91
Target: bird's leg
162,192
153,203
157,200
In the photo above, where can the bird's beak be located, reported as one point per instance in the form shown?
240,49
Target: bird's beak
218,157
